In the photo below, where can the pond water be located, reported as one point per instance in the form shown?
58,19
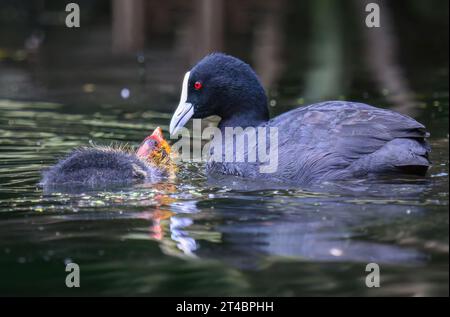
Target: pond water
190,236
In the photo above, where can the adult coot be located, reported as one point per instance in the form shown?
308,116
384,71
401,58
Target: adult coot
107,165
332,140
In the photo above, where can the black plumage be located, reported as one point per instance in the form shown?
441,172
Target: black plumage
96,166
332,140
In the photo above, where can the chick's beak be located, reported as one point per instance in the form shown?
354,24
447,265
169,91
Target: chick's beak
153,144
157,135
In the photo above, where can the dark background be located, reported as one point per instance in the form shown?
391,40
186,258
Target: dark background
304,51
63,88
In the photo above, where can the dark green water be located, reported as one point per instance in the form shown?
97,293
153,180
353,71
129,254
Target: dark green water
189,236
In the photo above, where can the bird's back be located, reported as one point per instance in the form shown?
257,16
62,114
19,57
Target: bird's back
97,166
341,140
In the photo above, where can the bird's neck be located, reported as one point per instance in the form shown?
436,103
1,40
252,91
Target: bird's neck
241,120
244,116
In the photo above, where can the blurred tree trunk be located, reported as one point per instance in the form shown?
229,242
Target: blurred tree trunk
326,78
269,42
128,29
209,22
381,47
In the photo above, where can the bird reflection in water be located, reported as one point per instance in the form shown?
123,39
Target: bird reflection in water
167,226
306,235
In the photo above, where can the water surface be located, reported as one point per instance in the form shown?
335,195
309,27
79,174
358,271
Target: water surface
63,88
192,237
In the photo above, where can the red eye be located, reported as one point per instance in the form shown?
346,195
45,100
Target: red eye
198,85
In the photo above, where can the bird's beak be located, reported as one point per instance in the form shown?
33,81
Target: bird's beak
147,149
158,135
185,110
